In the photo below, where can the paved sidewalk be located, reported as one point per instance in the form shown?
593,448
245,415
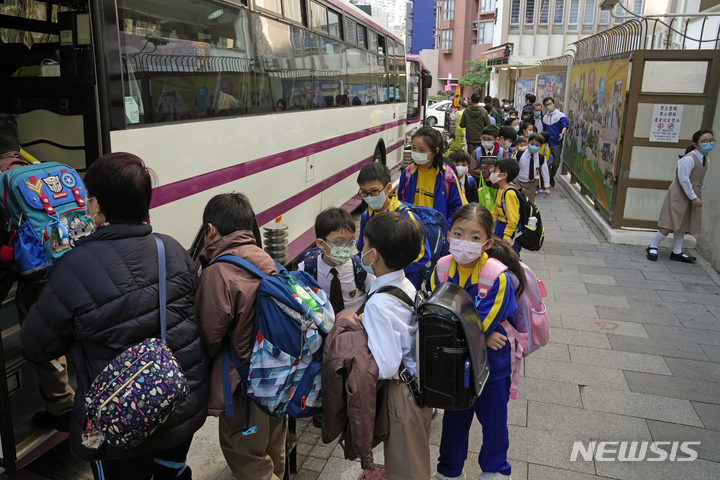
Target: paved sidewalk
634,356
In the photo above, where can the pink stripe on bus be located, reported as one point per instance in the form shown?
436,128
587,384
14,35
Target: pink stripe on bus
190,186
292,202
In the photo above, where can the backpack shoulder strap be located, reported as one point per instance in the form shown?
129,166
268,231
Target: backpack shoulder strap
490,272
443,268
242,263
359,273
502,199
310,261
449,180
408,172
399,294
501,153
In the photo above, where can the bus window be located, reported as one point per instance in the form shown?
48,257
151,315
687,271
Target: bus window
373,42
358,83
197,65
378,72
270,5
318,17
334,24
327,74
293,10
413,92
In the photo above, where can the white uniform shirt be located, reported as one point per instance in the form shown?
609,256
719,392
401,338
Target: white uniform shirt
352,296
525,167
685,167
538,124
390,327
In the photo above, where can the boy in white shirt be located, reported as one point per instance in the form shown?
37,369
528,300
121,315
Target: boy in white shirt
391,242
532,166
333,264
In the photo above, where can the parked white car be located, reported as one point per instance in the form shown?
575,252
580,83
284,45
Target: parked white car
435,116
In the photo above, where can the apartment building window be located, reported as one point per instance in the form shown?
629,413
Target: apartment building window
487,6
574,15
559,16
447,40
449,10
485,32
637,7
589,17
544,14
604,17
529,12
515,15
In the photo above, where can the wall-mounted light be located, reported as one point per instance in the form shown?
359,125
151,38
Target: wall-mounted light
505,68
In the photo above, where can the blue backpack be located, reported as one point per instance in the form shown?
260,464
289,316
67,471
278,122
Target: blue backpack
310,262
435,231
45,203
283,376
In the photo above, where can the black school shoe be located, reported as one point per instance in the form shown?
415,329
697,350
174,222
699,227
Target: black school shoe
650,255
682,257
47,420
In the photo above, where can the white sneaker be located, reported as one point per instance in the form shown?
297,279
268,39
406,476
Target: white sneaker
493,476
440,476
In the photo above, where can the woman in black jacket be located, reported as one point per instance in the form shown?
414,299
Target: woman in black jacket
102,298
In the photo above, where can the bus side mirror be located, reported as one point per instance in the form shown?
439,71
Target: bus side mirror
426,78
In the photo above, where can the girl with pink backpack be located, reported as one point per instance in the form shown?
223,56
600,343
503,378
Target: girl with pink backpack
472,248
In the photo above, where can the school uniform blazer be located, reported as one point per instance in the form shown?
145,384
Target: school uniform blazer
441,201
498,305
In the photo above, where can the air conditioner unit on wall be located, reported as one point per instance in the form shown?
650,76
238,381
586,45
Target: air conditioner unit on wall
475,25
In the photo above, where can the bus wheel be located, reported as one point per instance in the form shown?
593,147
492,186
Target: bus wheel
379,155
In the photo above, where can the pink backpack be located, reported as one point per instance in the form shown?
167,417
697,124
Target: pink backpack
531,329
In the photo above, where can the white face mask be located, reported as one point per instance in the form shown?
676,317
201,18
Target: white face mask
377,202
465,252
507,145
340,255
487,145
420,158
522,149
495,177
461,170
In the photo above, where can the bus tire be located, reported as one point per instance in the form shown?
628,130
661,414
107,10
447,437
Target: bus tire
379,155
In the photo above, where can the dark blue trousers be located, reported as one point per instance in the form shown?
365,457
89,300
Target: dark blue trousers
491,410
500,232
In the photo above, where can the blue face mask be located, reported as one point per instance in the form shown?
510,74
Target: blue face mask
705,148
533,149
367,268
517,128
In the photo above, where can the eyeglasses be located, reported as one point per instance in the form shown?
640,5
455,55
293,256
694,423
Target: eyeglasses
351,243
87,199
373,193
708,142
471,238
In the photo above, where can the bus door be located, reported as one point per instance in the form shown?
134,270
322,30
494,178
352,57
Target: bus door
47,79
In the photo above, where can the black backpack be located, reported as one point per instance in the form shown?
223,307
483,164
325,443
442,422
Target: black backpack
451,354
532,232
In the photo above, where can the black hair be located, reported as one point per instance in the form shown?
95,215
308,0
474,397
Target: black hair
464,104
488,107
511,110
545,100
499,250
435,141
508,133
9,141
491,130
122,185
458,155
525,125
333,219
538,138
229,212
509,166
546,136
487,99
374,172
475,98
521,139
530,97
395,237
509,121
696,139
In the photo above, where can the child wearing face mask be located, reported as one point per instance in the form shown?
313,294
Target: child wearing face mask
506,222
533,165
496,143
471,244
512,122
390,244
459,160
428,182
333,262
518,147
375,189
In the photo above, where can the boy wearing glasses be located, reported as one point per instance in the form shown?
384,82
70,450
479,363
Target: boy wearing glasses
375,189
334,264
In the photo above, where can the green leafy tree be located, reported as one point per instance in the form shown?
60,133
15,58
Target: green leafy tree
476,76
